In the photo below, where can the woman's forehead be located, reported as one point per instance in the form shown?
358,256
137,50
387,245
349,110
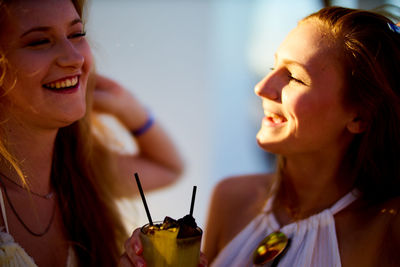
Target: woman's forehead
29,12
308,45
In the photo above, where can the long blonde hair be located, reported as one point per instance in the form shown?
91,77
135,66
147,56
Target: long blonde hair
81,177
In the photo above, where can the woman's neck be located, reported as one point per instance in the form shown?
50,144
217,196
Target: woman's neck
33,151
310,185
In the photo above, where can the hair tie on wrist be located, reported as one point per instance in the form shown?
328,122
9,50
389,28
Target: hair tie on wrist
145,127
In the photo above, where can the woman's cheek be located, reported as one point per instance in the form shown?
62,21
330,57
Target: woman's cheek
284,97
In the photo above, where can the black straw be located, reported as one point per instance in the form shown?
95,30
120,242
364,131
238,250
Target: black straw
193,197
143,198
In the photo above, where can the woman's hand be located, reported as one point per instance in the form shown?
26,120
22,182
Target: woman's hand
112,98
203,262
134,250
157,159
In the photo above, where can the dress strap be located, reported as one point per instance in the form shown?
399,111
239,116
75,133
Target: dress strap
271,198
345,201
3,210
338,206
268,204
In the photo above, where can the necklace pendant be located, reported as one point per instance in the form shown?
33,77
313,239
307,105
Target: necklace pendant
49,195
270,248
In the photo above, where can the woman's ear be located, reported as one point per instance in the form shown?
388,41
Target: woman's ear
356,126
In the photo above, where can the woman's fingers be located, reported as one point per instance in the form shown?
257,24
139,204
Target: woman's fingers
104,83
107,94
112,98
124,261
134,249
203,262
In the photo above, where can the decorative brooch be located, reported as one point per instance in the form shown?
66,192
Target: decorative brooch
394,27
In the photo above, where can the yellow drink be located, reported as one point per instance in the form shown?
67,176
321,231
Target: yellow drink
162,247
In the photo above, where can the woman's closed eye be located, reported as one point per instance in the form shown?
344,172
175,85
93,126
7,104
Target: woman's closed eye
38,42
77,35
291,77
294,79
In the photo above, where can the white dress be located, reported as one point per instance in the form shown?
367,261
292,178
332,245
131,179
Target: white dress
313,240
12,254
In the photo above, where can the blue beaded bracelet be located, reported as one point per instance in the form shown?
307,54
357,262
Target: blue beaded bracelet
145,127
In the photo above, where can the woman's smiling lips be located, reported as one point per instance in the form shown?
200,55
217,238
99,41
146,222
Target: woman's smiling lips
273,119
64,85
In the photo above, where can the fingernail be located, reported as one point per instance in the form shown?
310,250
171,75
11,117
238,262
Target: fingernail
136,247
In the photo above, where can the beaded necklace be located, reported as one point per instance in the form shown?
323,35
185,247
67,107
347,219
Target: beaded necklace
48,196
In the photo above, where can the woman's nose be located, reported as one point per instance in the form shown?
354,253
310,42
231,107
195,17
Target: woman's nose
70,55
269,87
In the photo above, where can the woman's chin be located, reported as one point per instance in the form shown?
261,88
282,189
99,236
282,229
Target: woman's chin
68,119
269,143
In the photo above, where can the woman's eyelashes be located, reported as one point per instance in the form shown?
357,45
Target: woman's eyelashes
38,42
77,35
291,77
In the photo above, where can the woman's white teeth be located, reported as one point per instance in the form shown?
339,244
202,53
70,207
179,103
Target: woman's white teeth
274,117
63,84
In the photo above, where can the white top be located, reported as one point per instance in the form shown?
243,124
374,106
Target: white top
12,254
313,240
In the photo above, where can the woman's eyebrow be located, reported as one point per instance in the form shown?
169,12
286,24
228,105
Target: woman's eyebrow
46,28
289,61
35,29
76,21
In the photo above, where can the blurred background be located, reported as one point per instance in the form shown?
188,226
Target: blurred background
194,64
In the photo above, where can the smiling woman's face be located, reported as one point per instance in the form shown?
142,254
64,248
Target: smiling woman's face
302,96
49,61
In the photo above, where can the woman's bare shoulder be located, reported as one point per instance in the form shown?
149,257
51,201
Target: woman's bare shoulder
244,184
390,210
239,192
369,235
384,227
235,201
